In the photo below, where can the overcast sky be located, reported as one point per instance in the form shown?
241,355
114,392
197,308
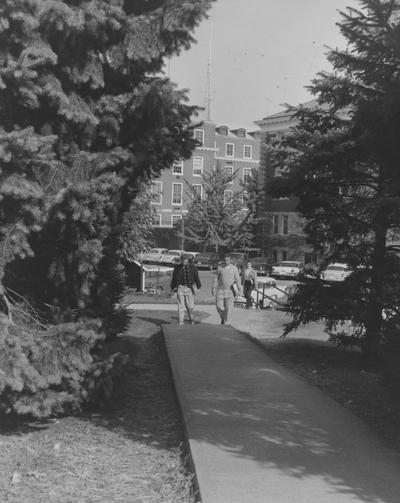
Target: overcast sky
264,52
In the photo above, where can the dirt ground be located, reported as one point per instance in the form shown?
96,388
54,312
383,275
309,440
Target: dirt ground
134,450
372,396
131,452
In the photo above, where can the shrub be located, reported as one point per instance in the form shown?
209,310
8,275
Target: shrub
53,371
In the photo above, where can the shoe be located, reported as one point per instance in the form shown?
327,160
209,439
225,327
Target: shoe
192,322
222,322
181,323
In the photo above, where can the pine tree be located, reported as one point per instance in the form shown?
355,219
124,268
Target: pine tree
220,219
85,121
86,118
342,163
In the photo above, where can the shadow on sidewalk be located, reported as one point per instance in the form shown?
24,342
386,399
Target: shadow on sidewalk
241,402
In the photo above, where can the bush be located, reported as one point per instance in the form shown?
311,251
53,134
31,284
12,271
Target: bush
54,371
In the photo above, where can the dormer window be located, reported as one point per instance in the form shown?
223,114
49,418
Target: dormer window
241,132
222,130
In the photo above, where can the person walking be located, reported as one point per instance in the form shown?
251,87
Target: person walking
249,281
185,282
225,288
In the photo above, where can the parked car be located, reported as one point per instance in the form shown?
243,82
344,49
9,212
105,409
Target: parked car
206,260
192,253
261,265
171,257
336,272
287,269
154,255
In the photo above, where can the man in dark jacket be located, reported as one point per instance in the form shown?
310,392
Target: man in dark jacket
185,282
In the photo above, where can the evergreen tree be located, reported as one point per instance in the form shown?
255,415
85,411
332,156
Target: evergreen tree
221,218
85,120
342,163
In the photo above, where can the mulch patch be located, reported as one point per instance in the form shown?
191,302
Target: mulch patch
131,452
372,396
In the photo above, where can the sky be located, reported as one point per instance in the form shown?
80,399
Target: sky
264,53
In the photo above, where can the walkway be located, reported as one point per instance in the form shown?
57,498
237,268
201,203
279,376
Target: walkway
259,434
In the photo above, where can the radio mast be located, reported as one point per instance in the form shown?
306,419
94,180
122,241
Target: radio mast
209,79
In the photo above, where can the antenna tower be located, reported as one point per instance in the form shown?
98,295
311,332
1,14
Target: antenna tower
209,79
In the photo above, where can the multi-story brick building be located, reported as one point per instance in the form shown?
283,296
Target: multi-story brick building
235,149
281,234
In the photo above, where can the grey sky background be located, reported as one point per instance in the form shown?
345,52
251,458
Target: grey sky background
264,52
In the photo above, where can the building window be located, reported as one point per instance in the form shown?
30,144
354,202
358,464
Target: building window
156,192
228,194
198,135
157,220
177,193
284,255
248,152
275,220
198,166
177,168
197,190
275,256
246,175
229,149
285,224
229,172
175,219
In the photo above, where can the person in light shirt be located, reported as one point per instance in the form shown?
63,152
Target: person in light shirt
226,285
249,277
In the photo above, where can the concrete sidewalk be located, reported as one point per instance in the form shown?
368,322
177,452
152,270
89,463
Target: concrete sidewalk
259,434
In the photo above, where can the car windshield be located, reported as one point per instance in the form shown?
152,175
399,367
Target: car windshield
176,254
289,264
337,268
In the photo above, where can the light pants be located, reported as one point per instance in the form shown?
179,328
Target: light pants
185,301
224,301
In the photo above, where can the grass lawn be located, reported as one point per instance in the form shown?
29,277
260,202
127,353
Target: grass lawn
130,453
372,396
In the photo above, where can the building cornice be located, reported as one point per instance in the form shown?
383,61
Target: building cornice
237,159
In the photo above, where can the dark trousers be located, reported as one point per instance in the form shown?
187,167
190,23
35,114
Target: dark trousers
247,289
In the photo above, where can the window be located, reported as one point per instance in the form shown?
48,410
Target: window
275,220
157,220
156,192
248,152
197,190
198,166
229,172
198,135
177,193
177,168
246,175
275,256
175,219
228,194
229,149
285,224
284,255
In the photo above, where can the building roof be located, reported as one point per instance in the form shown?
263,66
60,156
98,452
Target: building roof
285,113
234,127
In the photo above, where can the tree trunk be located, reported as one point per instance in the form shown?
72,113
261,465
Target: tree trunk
374,308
